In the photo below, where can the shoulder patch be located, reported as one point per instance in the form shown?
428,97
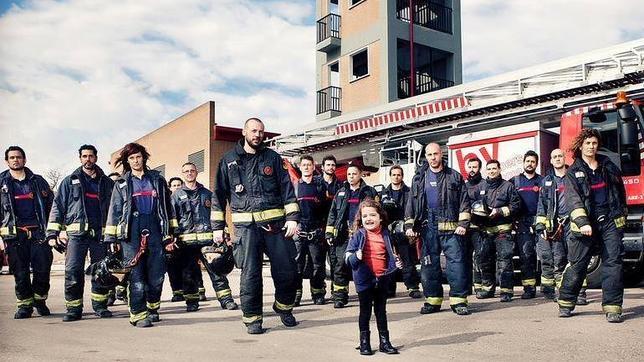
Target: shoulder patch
548,183
75,181
580,174
183,197
207,203
482,192
341,193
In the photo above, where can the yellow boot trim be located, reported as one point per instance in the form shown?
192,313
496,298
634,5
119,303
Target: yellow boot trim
434,300
40,297
507,290
284,307
457,300
138,316
25,302
529,282
99,297
547,282
612,308
251,319
340,288
565,303
76,303
153,305
222,293
191,297
318,291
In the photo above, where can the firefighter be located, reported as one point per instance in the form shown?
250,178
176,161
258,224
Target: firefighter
332,184
339,229
309,239
80,209
394,199
477,242
253,179
173,266
25,202
527,185
596,198
119,291
192,203
504,203
439,212
140,221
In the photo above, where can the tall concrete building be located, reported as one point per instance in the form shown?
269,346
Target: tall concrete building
364,51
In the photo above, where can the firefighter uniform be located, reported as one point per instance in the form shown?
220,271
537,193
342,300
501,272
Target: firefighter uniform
24,210
501,195
141,219
80,209
552,217
528,189
193,209
476,237
394,203
310,237
596,198
261,198
439,204
339,227
331,189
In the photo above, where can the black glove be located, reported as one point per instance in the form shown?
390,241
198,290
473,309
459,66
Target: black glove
58,245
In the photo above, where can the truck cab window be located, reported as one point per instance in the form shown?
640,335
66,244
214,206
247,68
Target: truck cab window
608,130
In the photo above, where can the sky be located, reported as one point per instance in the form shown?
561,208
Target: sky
108,72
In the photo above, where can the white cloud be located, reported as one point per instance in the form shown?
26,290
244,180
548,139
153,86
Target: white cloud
501,35
78,72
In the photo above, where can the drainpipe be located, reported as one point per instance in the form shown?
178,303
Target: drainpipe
412,66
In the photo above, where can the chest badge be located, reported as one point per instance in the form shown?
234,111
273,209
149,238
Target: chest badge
268,170
207,203
239,188
579,174
5,189
548,183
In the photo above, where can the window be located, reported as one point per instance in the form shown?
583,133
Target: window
353,3
359,64
161,169
198,159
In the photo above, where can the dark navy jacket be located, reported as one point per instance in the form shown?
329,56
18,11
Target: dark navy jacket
363,277
42,194
336,223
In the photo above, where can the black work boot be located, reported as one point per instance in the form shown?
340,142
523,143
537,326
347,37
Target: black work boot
529,292
143,323
153,316
565,312
481,294
319,301
365,343
614,317
338,304
548,292
505,297
41,308
461,310
103,313
385,344
202,295
23,312
415,294
254,328
582,298
177,297
229,305
72,315
298,298
287,318
429,309
111,298
192,306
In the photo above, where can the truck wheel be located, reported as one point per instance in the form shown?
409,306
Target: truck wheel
594,273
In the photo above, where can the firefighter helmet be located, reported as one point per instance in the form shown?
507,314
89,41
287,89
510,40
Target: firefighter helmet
108,272
219,258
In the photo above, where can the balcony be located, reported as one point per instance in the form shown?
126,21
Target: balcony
425,83
427,14
328,102
328,29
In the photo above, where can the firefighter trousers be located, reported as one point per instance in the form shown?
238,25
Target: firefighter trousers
146,278
478,242
175,267
607,238
499,247
316,248
219,282
526,241
23,254
431,275
552,254
77,249
250,244
340,270
186,259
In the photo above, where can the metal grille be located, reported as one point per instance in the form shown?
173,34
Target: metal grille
198,159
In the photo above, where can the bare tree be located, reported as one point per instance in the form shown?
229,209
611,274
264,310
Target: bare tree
54,176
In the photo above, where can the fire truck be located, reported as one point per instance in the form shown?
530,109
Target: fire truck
501,117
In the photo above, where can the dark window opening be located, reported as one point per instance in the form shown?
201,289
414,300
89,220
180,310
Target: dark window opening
360,64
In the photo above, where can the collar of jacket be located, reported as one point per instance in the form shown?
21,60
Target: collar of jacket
79,171
403,188
199,187
347,186
474,180
425,167
7,174
494,182
152,174
239,148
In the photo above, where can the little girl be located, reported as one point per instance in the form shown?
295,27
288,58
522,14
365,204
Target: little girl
373,261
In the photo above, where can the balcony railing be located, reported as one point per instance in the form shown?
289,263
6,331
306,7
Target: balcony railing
329,100
427,14
425,83
329,27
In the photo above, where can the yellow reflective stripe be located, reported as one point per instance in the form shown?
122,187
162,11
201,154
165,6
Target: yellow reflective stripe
317,291
291,208
174,223
505,210
54,226
457,300
222,293
620,222
177,292
40,297
74,303
284,307
110,230
409,221
330,229
584,284
7,231
612,308
529,282
434,300
76,227
25,302
464,216
543,220
574,227
194,296
217,215
196,236
478,285
251,319
579,212
547,282
498,228
486,288
153,305
265,215
340,288
447,226
507,290
565,303
99,297
202,290
138,316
